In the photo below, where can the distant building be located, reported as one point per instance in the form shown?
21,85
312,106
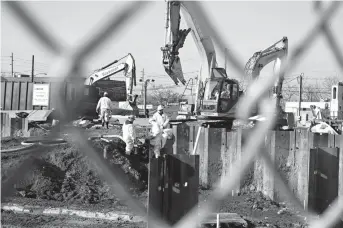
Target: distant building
22,75
335,104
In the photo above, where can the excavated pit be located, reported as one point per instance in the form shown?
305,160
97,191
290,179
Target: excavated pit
65,174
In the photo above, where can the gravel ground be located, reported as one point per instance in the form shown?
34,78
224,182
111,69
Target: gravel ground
16,220
63,177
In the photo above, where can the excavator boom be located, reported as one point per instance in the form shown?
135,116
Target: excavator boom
129,69
276,52
174,40
211,79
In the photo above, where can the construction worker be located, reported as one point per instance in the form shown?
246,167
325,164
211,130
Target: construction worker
326,112
161,118
104,107
168,140
155,137
129,134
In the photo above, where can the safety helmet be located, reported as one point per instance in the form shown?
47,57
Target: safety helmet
160,107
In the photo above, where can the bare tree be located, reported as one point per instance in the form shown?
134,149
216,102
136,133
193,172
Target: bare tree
328,82
163,95
290,94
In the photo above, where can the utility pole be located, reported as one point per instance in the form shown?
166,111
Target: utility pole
300,90
143,81
33,68
225,58
145,96
12,64
145,86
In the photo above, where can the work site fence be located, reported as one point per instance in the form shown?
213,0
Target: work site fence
69,62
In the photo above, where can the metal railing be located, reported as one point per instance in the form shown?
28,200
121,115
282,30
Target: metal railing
69,63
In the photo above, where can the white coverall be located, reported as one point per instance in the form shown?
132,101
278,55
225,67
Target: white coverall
104,106
162,120
167,134
129,135
156,141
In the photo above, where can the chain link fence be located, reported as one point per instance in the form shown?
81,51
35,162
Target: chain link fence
69,63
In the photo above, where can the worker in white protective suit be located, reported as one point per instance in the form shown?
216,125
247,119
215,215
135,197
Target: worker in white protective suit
155,137
104,109
129,134
161,118
168,140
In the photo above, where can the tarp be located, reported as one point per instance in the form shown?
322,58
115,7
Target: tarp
323,128
34,115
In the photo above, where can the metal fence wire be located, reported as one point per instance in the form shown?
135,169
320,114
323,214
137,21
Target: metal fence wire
69,63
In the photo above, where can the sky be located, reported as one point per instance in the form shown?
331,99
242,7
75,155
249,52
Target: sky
246,27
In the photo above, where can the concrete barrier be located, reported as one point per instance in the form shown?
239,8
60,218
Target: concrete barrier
10,126
289,150
5,125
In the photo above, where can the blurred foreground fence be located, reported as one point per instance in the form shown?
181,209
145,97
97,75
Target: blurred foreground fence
69,63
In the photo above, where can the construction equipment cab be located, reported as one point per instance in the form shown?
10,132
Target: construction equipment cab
212,79
220,95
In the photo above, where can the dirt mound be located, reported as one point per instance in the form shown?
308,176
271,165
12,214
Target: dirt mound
64,174
10,142
260,202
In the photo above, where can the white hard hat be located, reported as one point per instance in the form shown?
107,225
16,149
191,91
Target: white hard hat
160,107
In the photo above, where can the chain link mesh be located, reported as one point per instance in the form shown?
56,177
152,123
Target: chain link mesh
69,63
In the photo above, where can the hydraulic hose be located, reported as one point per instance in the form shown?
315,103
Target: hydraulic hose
103,137
29,147
44,142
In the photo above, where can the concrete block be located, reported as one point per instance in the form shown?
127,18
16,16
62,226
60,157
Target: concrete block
268,175
202,151
303,163
19,127
214,156
234,152
182,135
225,157
5,125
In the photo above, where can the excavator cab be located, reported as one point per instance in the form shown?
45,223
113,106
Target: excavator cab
220,96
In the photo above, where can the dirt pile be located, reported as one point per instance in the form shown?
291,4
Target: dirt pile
10,143
258,201
64,174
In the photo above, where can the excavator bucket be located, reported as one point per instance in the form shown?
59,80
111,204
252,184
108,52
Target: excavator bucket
175,71
126,108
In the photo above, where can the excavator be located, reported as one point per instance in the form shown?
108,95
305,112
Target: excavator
91,88
216,94
277,53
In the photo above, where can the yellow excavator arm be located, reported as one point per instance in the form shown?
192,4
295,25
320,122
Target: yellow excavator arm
276,52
